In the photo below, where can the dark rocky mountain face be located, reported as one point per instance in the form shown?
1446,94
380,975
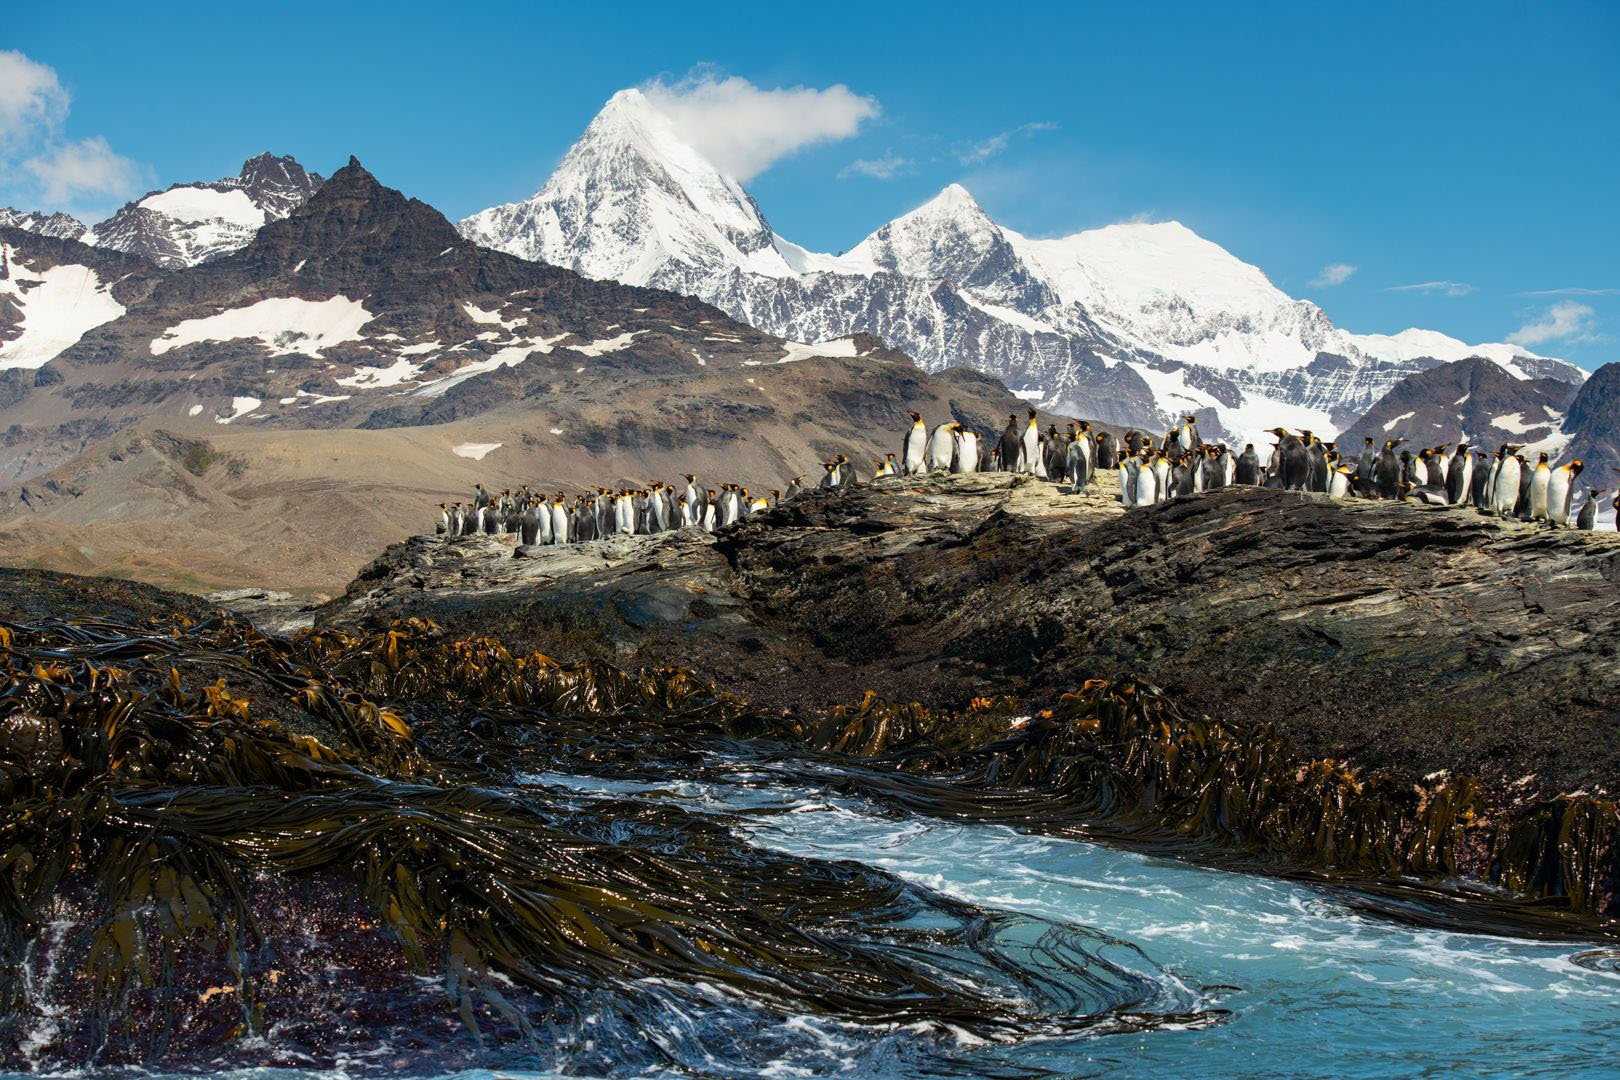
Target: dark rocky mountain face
59,226
1593,428
188,224
1473,400
359,360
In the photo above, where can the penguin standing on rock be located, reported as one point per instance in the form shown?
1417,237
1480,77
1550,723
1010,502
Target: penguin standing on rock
1248,467
1539,479
1459,475
1586,520
1387,471
967,451
942,447
1318,459
1294,461
1029,447
1007,448
1561,492
1107,451
1505,481
914,449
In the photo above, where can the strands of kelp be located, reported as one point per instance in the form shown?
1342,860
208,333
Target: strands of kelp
158,781
1120,758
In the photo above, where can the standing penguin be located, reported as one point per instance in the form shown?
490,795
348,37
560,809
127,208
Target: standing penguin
1587,519
1107,451
1561,491
559,521
1319,463
914,447
1365,463
1459,476
1538,488
1248,467
1081,465
1009,445
1294,465
1481,483
1147,483
967,451
1339,482
1161,478
1187,434
1029,447
942,446
1387,471
1505,481
1127,481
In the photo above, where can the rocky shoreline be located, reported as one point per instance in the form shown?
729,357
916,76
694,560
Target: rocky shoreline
1378,695
1388,635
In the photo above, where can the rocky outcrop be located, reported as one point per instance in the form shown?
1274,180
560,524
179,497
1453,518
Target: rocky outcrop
1388,635
1473,401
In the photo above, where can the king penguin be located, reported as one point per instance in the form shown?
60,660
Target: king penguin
1029,447
967,451
1561,492
914,448
942,446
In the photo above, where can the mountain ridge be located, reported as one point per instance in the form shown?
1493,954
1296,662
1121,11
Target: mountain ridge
1135,323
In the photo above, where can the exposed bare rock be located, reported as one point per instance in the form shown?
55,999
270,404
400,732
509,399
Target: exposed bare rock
1388,634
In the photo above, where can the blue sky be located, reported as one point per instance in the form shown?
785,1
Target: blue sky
1471,149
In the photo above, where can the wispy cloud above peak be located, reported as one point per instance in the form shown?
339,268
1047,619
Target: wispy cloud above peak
1570,292
887,167
744,129
1435,288
985,149
1564,321
1333,274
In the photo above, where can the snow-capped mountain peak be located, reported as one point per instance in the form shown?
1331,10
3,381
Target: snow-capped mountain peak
630,198
190,223
1136,322
61,226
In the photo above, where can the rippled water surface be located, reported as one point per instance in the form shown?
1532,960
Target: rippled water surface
1260,977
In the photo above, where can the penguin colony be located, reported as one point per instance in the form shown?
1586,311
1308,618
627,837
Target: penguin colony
1150,471
1502,483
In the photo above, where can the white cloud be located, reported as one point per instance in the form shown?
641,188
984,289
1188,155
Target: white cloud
84,168
33,101
743,129
1571,292
1435,288
1564,320
887,167
1333,274
37,165
986,149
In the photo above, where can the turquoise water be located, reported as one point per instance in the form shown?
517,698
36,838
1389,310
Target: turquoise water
1240,975
1312,988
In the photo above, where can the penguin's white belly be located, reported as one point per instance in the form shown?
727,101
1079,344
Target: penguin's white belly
967,456
1558,497
1538,495
1147,487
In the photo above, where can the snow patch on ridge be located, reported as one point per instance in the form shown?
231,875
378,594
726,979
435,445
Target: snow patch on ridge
284,325
240,407
59,306
477,451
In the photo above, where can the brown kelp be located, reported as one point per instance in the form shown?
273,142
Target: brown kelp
186,809
1122,752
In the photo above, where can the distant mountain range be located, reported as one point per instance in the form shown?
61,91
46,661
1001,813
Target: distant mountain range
298,403
187,224
1131,323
